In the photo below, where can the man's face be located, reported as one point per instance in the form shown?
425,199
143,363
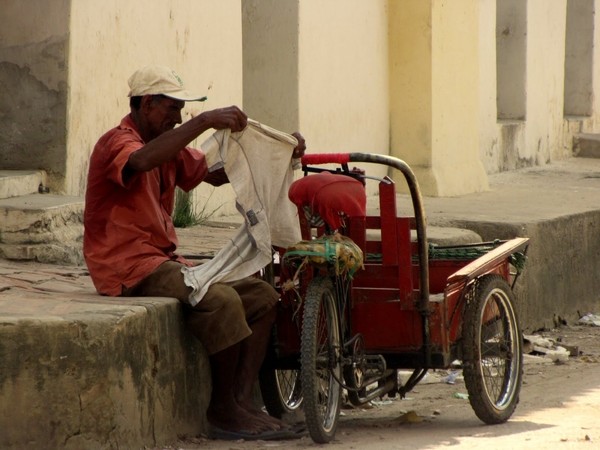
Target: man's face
162,114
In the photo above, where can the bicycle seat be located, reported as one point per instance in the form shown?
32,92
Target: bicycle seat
329,197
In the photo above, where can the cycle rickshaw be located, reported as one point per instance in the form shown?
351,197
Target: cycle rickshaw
361,304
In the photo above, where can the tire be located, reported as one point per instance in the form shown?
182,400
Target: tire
281,391
492,350
320,360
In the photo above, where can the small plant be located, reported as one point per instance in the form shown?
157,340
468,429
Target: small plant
185,214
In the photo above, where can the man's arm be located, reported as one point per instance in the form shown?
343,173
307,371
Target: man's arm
166,146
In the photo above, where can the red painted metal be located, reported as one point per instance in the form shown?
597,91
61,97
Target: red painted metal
324,158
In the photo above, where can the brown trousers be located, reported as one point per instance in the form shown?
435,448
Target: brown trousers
221,318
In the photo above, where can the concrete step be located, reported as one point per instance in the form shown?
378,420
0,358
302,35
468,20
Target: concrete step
14,183
42,227
81,371
586,145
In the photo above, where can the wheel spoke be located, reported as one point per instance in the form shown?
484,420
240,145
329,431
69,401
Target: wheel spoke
496,348
288,383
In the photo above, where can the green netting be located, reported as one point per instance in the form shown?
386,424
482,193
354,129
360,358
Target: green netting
463,253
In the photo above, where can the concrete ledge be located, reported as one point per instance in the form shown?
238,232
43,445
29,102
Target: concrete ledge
438,236
65,252
450,236
586,145
39,213
42,227
86,371
560,276
14,183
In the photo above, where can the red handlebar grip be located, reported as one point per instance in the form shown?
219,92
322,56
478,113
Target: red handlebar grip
324,158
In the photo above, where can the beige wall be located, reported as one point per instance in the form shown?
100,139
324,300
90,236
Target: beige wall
417,78
543,134
488,113
321,68
410,81
200,39
343,64
589,123
434,59
545,81
456,166
270,52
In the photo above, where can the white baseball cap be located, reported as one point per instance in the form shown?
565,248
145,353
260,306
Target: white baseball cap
160,80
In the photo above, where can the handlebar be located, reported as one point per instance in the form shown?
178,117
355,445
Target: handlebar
325,158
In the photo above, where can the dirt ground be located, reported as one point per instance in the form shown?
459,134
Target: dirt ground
559,408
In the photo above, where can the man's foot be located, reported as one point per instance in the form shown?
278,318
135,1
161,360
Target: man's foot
217,433
264,417
237,419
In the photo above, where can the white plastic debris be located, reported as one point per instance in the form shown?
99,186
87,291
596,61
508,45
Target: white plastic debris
451,378
548,348
383,402
558,355
539,341
590,319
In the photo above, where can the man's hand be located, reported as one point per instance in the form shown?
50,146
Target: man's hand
231,117
301,147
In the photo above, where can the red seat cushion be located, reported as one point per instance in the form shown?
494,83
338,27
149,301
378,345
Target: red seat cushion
330,196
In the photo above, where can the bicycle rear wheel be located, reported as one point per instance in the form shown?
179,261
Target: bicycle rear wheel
281,391
492,351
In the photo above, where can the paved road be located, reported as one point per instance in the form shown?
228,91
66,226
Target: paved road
559,408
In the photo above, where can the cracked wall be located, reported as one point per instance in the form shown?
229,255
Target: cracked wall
33,86
32,117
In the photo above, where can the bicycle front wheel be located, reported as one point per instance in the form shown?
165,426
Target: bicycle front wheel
320,358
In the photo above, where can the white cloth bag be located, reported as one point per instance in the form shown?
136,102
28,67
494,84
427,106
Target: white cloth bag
258,162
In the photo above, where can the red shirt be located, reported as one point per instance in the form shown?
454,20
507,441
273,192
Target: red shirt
128,230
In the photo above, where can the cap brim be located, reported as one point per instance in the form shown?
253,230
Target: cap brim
185,96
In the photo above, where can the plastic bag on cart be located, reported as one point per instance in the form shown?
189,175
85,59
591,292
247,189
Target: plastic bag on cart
336,251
